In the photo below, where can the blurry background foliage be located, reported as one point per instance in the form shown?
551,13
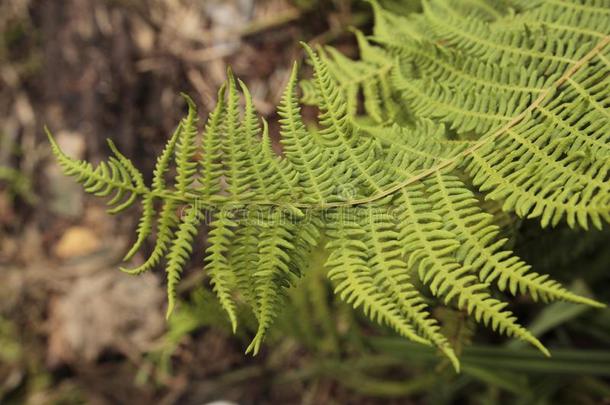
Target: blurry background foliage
114,68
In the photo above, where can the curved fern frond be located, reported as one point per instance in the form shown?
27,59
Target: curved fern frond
144,226
390,273
217,266
273,274
210,167
581,21
527,120
313,163
179,253
166,223
118,176
454,69
508,97
360,154
482,40
429,248
186,148
481,249
355,282
368,77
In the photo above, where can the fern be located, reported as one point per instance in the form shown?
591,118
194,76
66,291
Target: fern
368,77
510,98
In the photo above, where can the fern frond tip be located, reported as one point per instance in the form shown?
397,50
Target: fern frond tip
47,131
307,48
188,99
451,356
538,345
113,147
230,75
254,346
588,301
54,145
170,309
132,272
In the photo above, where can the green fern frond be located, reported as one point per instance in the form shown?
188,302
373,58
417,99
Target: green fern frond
391,274
144,226
570,20
166,223
210,163
359,153
368,77
510,98
179,253
162,165
186,148
483,40
235,156
217,266
280,171
431,249
273,273
264,186
313,163
392,28
492,100
480,246
243,257
118,176
355,282
307,236
275,179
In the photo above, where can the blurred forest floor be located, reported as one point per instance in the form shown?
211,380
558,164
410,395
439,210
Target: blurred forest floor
73,329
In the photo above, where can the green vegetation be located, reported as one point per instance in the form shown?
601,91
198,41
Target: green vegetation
463,102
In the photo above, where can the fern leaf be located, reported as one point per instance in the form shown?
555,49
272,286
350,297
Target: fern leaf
186,148
237,175
163,161
510,97
179,253
313,163
217,266
359,153
107,178
272,274
566,19
126,164
307,235
368,77
430,247
355,283
480,39
272,180
144,226
211,168
465,110
480,246
280,171
391,273
166,224
243,256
